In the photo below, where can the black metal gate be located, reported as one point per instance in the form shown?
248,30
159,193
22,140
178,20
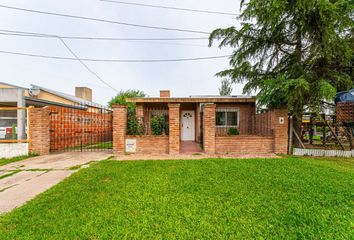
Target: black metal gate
80,128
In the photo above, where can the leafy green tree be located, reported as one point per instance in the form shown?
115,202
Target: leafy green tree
226,87
292,52
122,96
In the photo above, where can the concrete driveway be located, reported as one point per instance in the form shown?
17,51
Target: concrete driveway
22,181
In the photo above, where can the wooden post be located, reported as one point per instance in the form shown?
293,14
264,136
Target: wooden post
324,131
299,139
334,134
349,134
291,129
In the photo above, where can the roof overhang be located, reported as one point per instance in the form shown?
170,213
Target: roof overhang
194,100
11,85
42,103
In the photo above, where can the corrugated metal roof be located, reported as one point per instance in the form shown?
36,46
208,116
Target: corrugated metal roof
15,86
70,97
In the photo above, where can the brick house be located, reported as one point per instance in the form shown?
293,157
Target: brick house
210,124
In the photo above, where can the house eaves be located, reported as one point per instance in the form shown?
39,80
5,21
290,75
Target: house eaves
70,97
11,85
194,100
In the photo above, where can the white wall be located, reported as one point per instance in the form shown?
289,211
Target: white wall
9,150
322,153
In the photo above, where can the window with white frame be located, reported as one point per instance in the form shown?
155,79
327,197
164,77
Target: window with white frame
227,117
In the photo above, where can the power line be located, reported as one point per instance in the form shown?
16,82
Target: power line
171,8
46,35
102,20
115,60
87,67
42,35
72,52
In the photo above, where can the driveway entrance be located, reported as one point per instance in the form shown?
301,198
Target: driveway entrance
80,129
32,176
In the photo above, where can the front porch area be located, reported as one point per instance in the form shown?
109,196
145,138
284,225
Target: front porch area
207,126
190,147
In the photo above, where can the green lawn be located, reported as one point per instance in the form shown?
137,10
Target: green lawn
4,161
285,198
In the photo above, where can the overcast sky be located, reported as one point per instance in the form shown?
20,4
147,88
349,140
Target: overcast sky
182,78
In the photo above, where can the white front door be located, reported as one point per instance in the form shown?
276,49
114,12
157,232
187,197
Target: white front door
187,126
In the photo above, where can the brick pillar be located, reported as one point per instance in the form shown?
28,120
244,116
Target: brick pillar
39,124
139,110
174,121
119,128
209,128
280,128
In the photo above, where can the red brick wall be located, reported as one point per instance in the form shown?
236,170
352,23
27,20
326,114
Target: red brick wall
119,128
247,112
209,128
263,123
281,136
245,144
140,110
39,121
268,135
174,122
149,144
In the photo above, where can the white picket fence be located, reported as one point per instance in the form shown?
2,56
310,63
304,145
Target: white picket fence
322,153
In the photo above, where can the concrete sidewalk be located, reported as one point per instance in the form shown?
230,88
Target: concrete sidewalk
35,175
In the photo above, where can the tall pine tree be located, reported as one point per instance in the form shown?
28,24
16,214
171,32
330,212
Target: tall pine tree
292,52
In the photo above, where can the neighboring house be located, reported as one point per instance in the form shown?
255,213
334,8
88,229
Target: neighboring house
210,121
36,96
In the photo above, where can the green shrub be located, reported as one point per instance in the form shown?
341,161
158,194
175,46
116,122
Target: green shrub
157,124
233,131
134,126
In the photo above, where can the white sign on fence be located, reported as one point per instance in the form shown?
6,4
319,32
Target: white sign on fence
130,145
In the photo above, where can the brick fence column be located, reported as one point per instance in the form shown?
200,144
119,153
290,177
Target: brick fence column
174,122
139,110
209,128
280,127
39,124
119,128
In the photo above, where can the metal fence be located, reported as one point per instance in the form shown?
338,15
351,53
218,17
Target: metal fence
80,128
